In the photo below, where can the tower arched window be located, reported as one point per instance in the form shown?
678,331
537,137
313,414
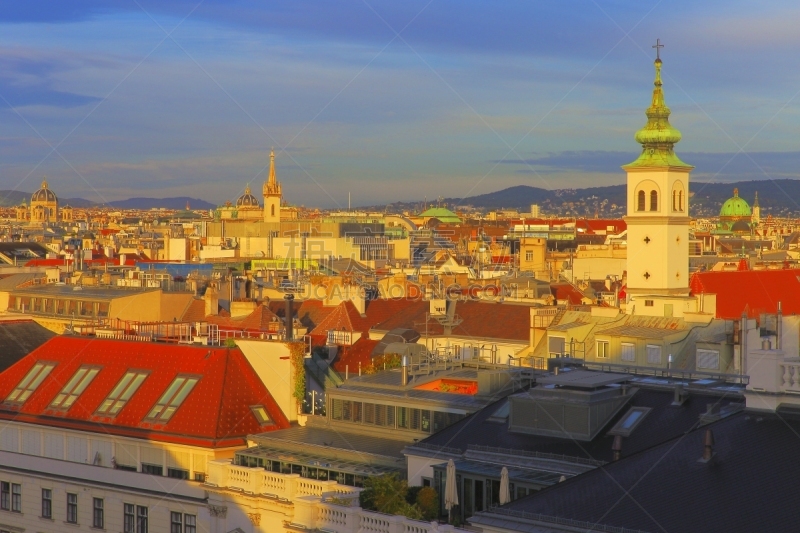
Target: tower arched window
272,210
640,201
675,200
680,200
653,200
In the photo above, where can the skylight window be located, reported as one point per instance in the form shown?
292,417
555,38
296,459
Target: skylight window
629,421
126,388
74,387
261,415
30,382
172,398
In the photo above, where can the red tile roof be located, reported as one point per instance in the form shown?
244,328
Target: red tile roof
566,293
261,319
351,356
750,291
195,311
480,320
215,414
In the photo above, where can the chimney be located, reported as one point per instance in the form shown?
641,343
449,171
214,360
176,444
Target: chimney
616,447
708,447
680,395
289,318
404,369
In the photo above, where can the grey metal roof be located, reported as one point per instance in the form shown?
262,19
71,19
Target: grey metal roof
84,293
584,379
568,326
640,332
14,280
326,441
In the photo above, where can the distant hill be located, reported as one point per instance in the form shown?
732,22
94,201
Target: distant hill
778,197
178,202
12,198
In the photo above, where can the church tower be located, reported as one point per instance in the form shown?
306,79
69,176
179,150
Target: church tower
756,218
272,194
658,207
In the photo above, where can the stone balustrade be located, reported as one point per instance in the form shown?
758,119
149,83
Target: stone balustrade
257,481
790,374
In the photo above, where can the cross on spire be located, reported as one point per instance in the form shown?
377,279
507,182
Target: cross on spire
658,47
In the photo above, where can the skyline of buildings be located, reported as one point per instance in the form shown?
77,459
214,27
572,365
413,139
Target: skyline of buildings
609,362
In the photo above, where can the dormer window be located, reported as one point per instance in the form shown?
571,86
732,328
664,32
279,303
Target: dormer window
74,387
172,398
30,382
123,392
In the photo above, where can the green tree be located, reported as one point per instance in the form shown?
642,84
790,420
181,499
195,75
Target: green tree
387,494
427,502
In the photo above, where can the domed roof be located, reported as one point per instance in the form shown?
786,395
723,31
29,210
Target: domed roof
44,194
247,199
735,207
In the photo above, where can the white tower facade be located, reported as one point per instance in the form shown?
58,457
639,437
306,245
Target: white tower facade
658,207
272,194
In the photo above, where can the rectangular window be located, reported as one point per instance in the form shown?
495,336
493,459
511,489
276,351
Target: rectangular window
707,359
5,495
153,470
30,382
47,503
358,412
74,387
189,523
556,345
141,519
177,473
369,413
402,417
336,409
16,497
414,417
261,415
390,415
602,349
648,303
120,395
172,398
98,518
175,522
529,255
426,421
346,410
380,415
129,519
72,508
628,353
653,355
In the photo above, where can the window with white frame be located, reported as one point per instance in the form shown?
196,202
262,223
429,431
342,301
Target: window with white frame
707,359
602,349
653,354
628,352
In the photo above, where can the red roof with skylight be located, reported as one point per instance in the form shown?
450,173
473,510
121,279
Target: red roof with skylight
200,396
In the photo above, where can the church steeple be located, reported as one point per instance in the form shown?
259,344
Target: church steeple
272,187
658,137
272,193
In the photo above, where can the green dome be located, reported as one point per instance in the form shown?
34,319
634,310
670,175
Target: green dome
442,214
735,207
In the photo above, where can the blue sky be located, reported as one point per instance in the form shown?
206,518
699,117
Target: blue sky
385,100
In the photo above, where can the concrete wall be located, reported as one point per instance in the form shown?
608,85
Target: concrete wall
271,361
160,495
139,306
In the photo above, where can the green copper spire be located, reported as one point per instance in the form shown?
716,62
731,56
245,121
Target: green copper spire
658,136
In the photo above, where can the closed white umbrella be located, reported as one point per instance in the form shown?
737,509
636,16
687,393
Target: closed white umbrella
505,493
450,489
